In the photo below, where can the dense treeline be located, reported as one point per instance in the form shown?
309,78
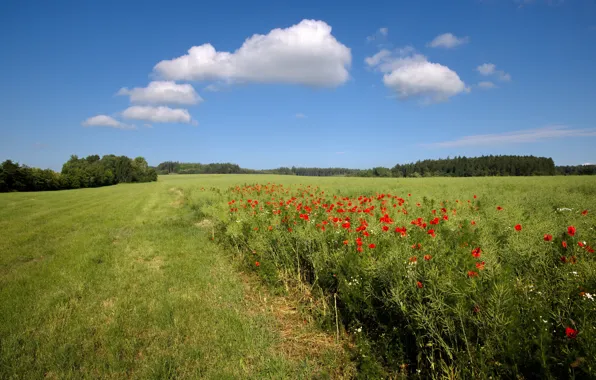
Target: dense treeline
577,170
169,167
449,167
478,166
91,171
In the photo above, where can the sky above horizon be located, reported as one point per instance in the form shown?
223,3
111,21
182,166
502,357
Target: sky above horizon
325,84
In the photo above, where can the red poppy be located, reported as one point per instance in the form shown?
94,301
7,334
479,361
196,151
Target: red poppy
413,259
427,257
434,221
345,242
571,333
580,244
385,228
473,223
372,246
476,252
431,233
548,237
518,227
590,249
359,249
563,259
585,212
258,264
499,208
474,196
471,274
480,266
445,217
564,244
419,285
571,230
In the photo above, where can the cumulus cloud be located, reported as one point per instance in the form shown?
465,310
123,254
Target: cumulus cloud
306,53
410,74
159,114
163,92
486,85
448,41
488,69
106,121
522,136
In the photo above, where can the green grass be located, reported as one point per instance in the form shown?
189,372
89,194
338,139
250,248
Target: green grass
119,282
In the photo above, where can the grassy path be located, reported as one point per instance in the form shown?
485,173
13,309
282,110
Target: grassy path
118,282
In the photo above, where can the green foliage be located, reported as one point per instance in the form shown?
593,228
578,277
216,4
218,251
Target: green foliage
439,308
450,167
91,171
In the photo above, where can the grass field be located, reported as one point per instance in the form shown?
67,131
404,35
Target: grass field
126,281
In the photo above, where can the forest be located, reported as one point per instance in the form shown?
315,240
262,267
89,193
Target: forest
91,171
449,167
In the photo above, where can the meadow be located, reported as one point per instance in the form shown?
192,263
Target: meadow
428,277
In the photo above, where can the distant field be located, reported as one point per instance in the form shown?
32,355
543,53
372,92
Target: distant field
125,281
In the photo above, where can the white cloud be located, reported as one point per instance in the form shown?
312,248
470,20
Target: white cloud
588,164
106,121
340,152
522,136
147,125
448,41
377,58
306,53
487,69
486,85
159,114
412,75
379,34
300,116
163,92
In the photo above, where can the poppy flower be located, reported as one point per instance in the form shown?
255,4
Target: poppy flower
480,266
427,257
419,285
359,249
471,274
548,237
585,212
474,196
499,208
476,252
571,230
431,233
385,228
473,223
372,246
345,242
413,259
564,244
258,264
580,244
571,333
563,259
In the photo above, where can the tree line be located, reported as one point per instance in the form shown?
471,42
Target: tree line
459,166
91,171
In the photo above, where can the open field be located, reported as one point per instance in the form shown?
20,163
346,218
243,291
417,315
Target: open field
125,281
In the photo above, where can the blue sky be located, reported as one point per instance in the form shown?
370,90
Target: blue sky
359,85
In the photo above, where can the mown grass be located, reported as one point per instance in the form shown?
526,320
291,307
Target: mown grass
119,282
